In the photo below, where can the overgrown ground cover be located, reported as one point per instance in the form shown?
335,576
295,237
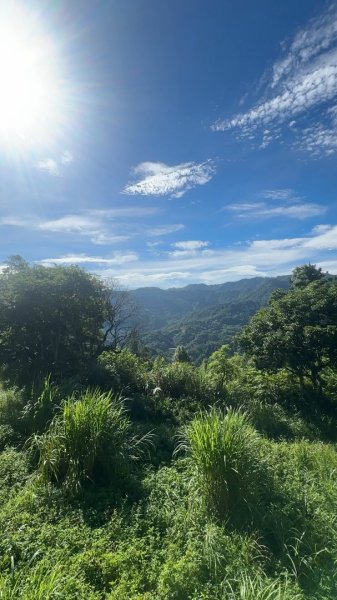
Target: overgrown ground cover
124,477
169,481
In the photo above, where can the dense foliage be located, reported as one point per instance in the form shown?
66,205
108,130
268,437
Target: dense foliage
201,317
54,320
149,479
298,330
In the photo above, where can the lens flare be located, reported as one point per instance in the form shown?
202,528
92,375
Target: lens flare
30,92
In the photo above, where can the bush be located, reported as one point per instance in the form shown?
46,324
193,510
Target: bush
13,473
123,371
225,454
11,405
179,379
90,441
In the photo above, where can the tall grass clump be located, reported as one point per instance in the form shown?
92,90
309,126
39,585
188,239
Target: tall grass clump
40,583
91,440
43,403
258,587
225,454
11,425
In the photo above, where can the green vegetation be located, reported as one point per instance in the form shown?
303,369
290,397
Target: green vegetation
200,317
55,320
128,477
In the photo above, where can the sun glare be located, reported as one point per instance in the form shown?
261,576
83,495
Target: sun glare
28,96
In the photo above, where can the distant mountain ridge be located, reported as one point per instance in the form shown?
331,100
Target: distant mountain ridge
201,317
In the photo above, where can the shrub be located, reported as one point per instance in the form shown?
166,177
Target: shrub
11,405
225,453
124,371
13,472
90,441
179,379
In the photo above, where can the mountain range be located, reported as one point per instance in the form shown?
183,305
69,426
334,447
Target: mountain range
200,317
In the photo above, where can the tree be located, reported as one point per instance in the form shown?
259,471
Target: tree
56,320
297,332
181,355
305,274
220,367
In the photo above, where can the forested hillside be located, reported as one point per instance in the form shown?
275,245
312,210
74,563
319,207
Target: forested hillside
200,317
126,477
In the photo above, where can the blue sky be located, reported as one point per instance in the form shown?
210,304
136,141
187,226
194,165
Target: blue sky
181,142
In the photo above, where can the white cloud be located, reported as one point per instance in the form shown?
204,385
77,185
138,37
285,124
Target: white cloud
158,179
318,140
69,224
268,257
137,278
128,212
303,79
54,167
318,229
191,245
13,221
190,248
303,210
319,35
50,166
83,225
165,230
67,157
102,227
325,239
280,194
118,258
100,224
307,91
105,239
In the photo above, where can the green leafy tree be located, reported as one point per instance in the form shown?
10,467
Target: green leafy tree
56,320
305,274
297,331
220,367
181,355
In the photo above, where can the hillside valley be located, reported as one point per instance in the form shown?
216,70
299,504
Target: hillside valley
200,317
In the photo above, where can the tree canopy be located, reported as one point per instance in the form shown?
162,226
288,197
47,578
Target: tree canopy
297,331
55,320
305,274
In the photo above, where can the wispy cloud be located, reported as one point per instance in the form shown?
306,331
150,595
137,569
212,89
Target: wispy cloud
54,166
310,89
50,166
189,248
304,78
165,230
158,179
128,212
276,203
67,157
318,140
319,35
69,224
118,258
280,194
303,210
266,257
86,225
191,245
102,226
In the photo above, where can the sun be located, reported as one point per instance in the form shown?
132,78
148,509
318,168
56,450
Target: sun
28,83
